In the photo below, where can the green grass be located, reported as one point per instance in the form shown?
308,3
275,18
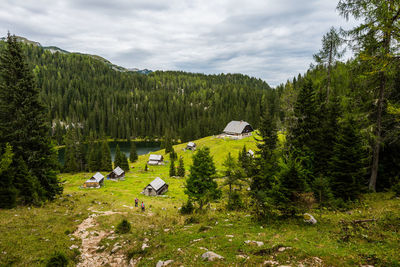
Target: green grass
31,235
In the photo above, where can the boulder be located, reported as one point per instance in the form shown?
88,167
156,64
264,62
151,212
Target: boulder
164,263
252,242
309,218
73,246
211,256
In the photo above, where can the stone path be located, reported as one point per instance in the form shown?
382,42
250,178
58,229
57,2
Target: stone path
90,243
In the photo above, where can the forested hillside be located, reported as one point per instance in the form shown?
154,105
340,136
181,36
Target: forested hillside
83,91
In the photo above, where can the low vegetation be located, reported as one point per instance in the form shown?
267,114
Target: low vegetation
340,238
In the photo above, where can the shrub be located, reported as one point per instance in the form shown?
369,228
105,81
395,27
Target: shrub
396,189
123,227
192,219
58,259
235,202
187,208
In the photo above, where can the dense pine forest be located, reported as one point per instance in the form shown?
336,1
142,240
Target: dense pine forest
83,91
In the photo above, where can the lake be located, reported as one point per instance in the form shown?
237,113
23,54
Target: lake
142,148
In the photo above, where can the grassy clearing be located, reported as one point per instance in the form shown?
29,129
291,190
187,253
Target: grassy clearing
30,235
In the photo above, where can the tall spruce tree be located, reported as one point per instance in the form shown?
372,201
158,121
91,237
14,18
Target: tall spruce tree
124,162
200,185
265,166
106,163
172,170
70,154
304,136
347,164
8,192
92,158
181,168
23,122
117,157
133,156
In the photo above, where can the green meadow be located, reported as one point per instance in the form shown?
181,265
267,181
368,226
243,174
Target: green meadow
30,235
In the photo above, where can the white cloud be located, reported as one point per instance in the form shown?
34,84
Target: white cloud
272,40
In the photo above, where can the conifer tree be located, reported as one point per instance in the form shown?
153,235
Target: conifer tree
172,171
264,171
181,168
8,192
117,157
331,43
124,162
233,173
133,156
92,158
23,122
146,168
200,185
106,163
291,186
376,42
70,160
347,164
26,184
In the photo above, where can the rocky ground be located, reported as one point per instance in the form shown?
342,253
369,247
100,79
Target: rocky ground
91,253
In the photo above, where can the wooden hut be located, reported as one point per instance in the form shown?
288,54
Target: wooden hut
155,159
155,188
238,129
117,173
96,181
191,146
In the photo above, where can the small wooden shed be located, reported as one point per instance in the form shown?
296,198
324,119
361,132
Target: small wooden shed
155,159
117,173
155,188
96,181
191,146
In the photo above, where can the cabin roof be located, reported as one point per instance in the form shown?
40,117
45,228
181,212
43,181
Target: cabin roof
96,178
118,171
191,144
157,183
236,127
155,157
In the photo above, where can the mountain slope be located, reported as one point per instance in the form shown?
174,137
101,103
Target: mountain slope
85,90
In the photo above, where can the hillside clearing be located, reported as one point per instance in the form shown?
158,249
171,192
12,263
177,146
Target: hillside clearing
29,232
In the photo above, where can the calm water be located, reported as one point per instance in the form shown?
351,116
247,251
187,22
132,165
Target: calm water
141,148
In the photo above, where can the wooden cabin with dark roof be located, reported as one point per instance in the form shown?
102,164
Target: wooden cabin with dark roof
155,188
96,181
117,174
155,160
238,129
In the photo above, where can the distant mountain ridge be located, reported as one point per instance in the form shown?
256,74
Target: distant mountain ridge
55,49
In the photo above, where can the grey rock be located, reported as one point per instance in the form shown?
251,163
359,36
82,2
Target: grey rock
211,256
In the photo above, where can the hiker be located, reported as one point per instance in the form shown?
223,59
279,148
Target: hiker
136,202
142,206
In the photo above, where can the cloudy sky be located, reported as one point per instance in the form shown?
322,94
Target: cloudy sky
268,39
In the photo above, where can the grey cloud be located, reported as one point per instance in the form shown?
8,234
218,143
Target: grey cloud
272,40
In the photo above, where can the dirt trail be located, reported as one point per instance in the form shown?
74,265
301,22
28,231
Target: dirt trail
90,243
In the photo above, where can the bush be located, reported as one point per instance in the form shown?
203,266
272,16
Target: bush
396,189
123,227
235,202
192,219
187,208
57,260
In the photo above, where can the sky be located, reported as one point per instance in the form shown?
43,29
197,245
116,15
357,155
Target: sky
268,39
